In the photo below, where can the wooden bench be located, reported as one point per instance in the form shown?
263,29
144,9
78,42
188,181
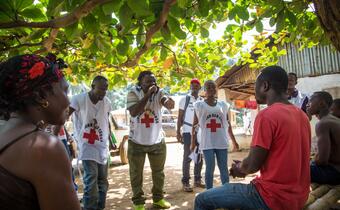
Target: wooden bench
323,197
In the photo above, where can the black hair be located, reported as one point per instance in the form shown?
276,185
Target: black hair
277,78
142,75
292,74
209,82
325,96
99,78
336,102
23,78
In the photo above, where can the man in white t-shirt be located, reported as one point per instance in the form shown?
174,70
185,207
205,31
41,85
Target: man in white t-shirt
91,130
295,96
185,120
144,102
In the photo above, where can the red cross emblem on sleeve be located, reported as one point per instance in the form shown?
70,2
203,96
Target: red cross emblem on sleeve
147,120
213,125
92,136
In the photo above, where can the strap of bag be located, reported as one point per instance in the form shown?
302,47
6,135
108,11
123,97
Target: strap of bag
187,100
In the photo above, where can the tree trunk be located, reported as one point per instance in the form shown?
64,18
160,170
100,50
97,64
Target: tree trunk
328,12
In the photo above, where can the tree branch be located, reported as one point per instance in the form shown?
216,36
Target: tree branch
173,53
149,34
48,43
60,22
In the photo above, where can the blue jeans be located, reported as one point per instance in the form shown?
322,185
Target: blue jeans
95,185
222,163
230,196
324,174
187,160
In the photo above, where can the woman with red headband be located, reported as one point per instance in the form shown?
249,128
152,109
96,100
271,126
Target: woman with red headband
35,172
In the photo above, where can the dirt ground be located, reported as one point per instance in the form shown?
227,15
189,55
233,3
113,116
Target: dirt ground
119,193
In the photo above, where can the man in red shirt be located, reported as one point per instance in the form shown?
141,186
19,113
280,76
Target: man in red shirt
280,149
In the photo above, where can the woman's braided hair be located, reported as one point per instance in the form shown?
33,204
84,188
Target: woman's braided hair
22,78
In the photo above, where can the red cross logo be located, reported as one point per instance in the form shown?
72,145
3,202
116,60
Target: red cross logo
213,125
147,120
92,136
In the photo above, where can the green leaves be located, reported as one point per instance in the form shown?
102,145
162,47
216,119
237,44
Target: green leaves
164,53
140,36
165,31
115,31
111,7
71,31
204,32
33,13
259,26
291,17
54,7
140,7
182,3
280,21
91,24
242,12
123,46
102,44
125,16
203,7
175,28
21,4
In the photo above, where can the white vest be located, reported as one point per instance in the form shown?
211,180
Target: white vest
146,128
189,114
213,125
92,137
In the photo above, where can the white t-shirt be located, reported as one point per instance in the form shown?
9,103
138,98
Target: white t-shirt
213,125
146,128
299,100
189,114
91,127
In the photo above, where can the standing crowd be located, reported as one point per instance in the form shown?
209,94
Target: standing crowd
36,171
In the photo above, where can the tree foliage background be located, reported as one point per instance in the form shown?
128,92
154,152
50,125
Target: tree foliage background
120,38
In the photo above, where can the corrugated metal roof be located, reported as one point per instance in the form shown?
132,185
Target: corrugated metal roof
315,61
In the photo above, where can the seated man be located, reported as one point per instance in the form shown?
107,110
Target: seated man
325,169
335,108
280,149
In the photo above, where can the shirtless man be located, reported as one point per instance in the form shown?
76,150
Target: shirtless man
335,108
325,169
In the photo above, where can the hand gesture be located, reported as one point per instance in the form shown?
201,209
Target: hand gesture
152,89
235,170
192,147
236,147
169,103
179,137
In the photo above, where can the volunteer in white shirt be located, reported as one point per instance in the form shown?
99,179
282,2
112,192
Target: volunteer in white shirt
185,120
144,102
91,130
212,117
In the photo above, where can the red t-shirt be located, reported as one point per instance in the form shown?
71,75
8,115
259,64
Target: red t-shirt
284,180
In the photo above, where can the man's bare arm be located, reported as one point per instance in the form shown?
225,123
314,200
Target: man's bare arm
324,143
256,158
138,108
180,124
168,102
193,136
231,134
